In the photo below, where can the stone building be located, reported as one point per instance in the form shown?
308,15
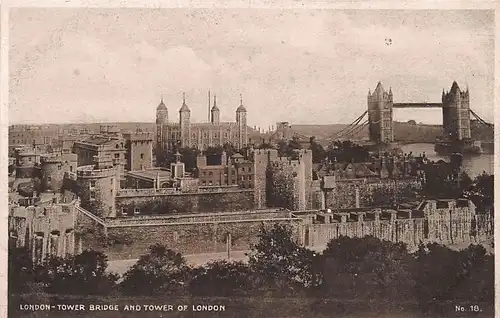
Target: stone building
186,133
97,185
128,152
28,161
233,171
44,230
283,179
54,168
456,114
380,105
139,154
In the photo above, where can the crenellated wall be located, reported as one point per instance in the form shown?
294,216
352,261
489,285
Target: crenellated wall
440,221
43,230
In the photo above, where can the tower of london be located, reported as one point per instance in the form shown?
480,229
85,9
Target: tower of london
186,133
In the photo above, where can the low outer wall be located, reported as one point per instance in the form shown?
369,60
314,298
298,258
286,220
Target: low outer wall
409,231
187,203
129,240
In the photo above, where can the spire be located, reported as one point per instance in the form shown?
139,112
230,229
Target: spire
390,90
184,107
215,108
161,106
369,92
241,108
454,87
379,90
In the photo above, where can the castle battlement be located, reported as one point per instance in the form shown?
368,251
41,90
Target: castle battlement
139,136
91,172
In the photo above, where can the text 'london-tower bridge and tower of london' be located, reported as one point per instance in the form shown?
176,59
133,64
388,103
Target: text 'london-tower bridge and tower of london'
105,191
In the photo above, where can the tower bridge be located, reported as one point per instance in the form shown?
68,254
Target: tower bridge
455,106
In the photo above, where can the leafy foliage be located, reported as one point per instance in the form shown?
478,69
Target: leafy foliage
480,191
318,152
223,278
20,271
189,157
347,151
444,274
282,262
287,149
367,267
160,271
83,274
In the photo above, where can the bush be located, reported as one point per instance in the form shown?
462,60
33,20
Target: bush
159,272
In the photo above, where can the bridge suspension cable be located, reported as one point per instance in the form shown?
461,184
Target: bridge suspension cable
350,126
357,129
482,121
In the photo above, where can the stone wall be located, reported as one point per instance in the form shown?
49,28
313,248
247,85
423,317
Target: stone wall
381,192
43,230
442,221
230,200
409,231
188,236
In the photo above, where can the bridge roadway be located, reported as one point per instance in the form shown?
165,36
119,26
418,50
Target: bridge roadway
417,105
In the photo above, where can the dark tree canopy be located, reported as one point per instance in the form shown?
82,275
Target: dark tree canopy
347,151
161,271
318,152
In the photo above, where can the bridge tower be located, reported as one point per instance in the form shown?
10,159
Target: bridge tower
380,105
456,114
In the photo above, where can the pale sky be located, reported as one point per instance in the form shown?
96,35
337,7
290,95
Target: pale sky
301,66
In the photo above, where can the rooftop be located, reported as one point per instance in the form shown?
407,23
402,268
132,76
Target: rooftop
99,140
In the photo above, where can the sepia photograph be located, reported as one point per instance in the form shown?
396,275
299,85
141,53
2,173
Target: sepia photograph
250,162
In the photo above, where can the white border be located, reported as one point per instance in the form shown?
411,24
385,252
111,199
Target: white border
277,4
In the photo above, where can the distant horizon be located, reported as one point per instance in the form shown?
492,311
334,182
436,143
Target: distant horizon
153,123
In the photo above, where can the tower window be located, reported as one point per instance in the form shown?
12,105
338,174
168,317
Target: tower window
137,210
92,183
92,195
117,155
142,156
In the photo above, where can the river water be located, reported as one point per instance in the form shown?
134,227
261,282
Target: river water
472,164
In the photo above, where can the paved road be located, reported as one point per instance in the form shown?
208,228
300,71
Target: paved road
122,266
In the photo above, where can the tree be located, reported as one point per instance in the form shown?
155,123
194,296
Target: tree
455,275
222,278
21,276
160,271
367,267
83,274
282,262
347,151
480,191
318,152
189,157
